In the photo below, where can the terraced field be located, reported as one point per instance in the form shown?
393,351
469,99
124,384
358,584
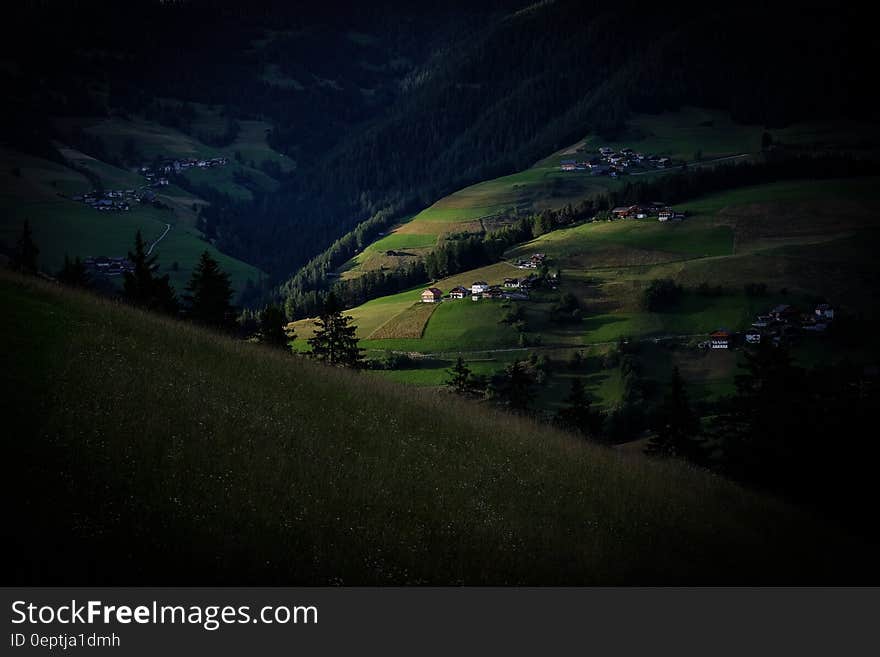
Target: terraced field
408,324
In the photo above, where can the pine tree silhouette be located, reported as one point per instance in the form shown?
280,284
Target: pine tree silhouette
459,376
209,294
24,258
142,287
678,427
335,340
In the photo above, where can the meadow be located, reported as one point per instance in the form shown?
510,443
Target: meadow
154,140
690,134
150,451
39,190
63,227
803,239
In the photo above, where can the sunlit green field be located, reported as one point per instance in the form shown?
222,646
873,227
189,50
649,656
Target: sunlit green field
803,239
457,325
690,134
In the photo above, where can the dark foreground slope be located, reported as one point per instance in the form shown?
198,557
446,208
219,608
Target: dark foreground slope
144,451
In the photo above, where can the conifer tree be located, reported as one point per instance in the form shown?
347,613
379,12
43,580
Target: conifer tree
142,287
578,413
24,258
335,340
678,427
273,327
209,294
74,273
459,376
767,418
519,389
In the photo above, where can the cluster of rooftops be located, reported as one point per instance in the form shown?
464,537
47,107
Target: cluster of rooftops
778,324
109,266
120,200
657,209
512,288
608,162
178,165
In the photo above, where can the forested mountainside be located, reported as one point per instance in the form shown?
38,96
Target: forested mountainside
544,78
387,110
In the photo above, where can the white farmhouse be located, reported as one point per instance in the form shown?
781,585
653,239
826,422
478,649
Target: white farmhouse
479,287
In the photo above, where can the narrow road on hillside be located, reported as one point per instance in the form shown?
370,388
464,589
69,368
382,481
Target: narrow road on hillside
161,237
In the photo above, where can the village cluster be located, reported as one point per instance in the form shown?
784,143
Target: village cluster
782,323
514,289
121,200
533,262
647,210
113,200
608,162
154,174
108,266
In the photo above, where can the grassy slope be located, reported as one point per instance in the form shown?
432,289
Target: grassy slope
65,227
680,134
154,452
153,139
810,237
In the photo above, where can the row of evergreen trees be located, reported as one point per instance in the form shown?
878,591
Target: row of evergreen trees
207,301
208,296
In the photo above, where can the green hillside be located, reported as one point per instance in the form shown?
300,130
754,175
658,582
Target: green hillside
696,135
168,454
153,140
41,191
803,239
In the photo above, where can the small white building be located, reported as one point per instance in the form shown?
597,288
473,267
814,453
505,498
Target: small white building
479,287
458,292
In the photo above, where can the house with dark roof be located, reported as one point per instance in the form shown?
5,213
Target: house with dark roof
720,339
479,287
623,212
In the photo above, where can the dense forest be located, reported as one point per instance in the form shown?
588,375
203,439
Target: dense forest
385,111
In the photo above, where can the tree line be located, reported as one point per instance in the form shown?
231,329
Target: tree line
303,294
207,301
